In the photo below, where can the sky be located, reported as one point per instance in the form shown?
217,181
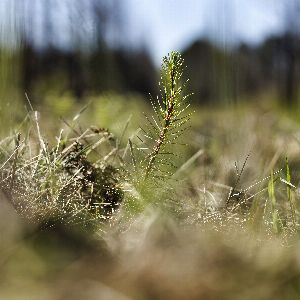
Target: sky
162,25
167,25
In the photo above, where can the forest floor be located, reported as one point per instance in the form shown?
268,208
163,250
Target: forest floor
226,226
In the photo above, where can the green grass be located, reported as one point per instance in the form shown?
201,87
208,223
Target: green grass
85,212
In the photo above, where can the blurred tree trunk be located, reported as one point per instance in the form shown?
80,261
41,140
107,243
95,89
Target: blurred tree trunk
290,51
291,84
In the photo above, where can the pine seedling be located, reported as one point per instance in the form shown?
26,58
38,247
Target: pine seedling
169,121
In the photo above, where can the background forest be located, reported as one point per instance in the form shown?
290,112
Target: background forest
87,47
